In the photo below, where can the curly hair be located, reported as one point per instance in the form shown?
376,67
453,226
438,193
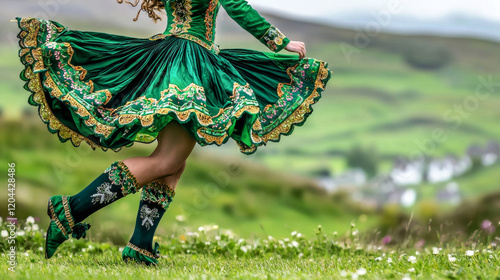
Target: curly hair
152,7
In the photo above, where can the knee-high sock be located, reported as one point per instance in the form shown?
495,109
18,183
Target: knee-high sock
116,182
155,200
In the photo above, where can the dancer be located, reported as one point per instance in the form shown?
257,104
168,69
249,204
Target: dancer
177,88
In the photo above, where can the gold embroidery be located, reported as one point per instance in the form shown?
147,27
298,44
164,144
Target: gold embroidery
273,38
182,16
209,20
211,47
298,116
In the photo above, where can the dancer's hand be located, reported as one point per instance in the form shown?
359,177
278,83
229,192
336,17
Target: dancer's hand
297,47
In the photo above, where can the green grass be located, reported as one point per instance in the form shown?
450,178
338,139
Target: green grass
212,254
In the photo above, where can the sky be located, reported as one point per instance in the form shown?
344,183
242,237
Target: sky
486,9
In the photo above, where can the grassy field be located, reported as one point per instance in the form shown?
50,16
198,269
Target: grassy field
208,253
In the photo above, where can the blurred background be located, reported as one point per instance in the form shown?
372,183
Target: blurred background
406,136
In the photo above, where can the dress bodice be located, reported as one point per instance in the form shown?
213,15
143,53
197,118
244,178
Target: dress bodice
195,20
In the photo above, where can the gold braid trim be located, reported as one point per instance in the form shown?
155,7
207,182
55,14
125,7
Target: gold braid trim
142,251
28,40
54,218
67,213
301,112
127,174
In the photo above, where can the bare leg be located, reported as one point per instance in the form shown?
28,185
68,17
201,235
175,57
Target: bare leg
174,146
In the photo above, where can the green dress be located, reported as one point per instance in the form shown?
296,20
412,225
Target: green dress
111,91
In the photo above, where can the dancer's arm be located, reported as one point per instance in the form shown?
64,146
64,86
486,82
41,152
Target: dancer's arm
248,18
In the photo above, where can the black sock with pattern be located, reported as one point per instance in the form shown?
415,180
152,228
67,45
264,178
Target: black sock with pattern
116,182
155,200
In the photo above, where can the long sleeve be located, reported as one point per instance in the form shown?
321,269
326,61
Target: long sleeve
248,18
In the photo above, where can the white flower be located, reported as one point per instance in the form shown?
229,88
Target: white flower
412,259
406,277
201,229
354,276
217,238
35,227
301,255
389,260
361,271
294,233
436,250
451,258
241,240
84,250
343,273
180,218
378,259
20,233
270,237
91,247
30,220
40,249
299,235
207,243
335,233
215,227
244,249
295,244
469,253
411,270
5,233
286,239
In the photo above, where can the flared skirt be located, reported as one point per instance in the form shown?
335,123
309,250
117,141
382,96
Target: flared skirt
111,91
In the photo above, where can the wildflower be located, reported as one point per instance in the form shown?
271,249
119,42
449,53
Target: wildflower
406,277
207,243
335,233
40,249
343,273
244,249
30,220
378,259
420,243
180,218
201,229
294,233
215,227
5,233
295,244
301,255
361,271
435,250
270,237
387,239
451,258
217,238
389,260
487,226
299,235
91,247
469,253
411,270
355,232
354,276
35,227
20,233
241,240
412,259
286,239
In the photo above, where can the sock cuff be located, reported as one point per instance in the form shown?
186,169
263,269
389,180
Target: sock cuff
158,193
120,175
